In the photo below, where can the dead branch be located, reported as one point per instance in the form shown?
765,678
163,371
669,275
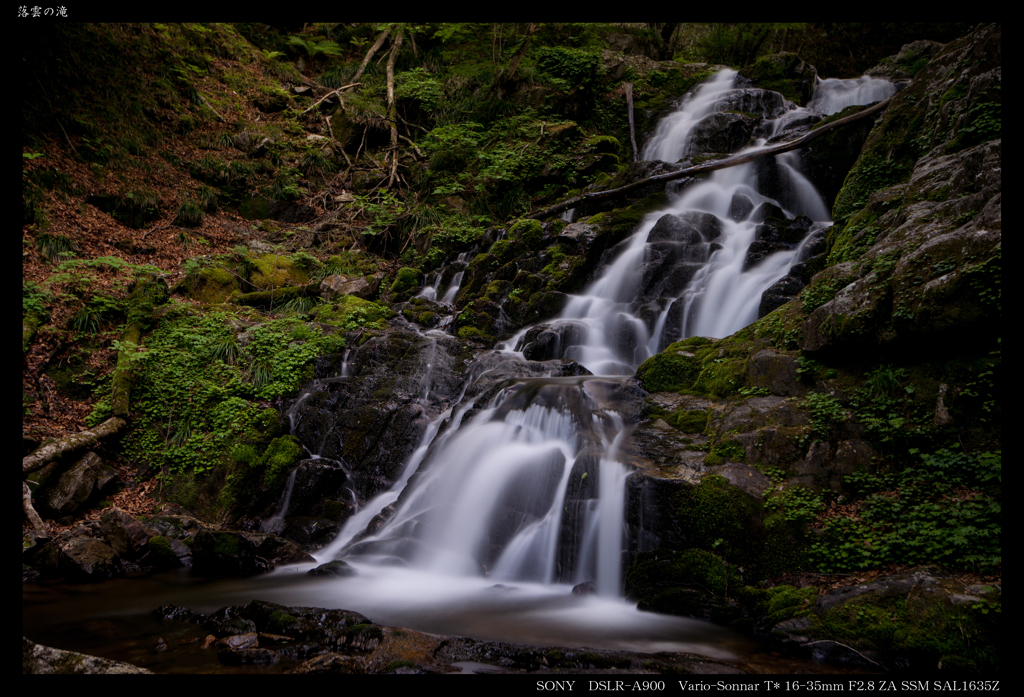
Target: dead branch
740,159
33,518
392,106
632,132
373,49
331,94
70,444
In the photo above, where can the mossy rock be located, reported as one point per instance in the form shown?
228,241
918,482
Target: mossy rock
773,605
717,515
350,312
275,271
784,73
527,232
674,369
281,455
690,582
721,379
915,625
689,421
604,144
406,280
212,285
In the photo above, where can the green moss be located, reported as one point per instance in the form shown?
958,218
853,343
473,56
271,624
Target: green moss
604,144
689,582
350,312
693,421
779,603
472,333
275,271
212,285
920,628
280,621
726,450
160,547
281,455
776,72
718,516
721,379
406,280
672,370
527,232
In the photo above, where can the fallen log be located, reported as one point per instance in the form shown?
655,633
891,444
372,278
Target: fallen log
713,165
70,444
276,296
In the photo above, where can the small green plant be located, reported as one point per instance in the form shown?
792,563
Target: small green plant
315,162
826,413
798,504
943,507
54,248
314,49
189,214
226,349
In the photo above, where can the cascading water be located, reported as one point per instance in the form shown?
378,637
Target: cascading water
833,95
517,481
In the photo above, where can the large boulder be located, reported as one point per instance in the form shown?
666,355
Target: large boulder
44,660
73,488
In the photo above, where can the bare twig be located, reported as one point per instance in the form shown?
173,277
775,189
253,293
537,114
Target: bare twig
329,95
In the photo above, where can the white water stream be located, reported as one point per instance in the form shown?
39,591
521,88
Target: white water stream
493,518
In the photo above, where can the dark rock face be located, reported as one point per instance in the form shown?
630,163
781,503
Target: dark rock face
774,235
722,132
373,420
782,291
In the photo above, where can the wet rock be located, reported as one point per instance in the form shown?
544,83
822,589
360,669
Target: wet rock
43,660
675,229
774,235
775,371
743,477
781,292
336,567
253,656
332,663
88,476
364,287
721,132
758,102
740,206
547,341
226,554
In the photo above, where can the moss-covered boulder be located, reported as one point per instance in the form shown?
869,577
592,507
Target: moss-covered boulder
406,280
213,284
351,312
786,74
919,619
276,270
692,582
676,368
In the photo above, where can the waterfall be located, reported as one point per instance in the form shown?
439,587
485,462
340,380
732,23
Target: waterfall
520,483
833,95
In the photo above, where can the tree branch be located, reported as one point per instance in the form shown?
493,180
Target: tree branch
392,106
71,443
740,159
373,49
331,94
